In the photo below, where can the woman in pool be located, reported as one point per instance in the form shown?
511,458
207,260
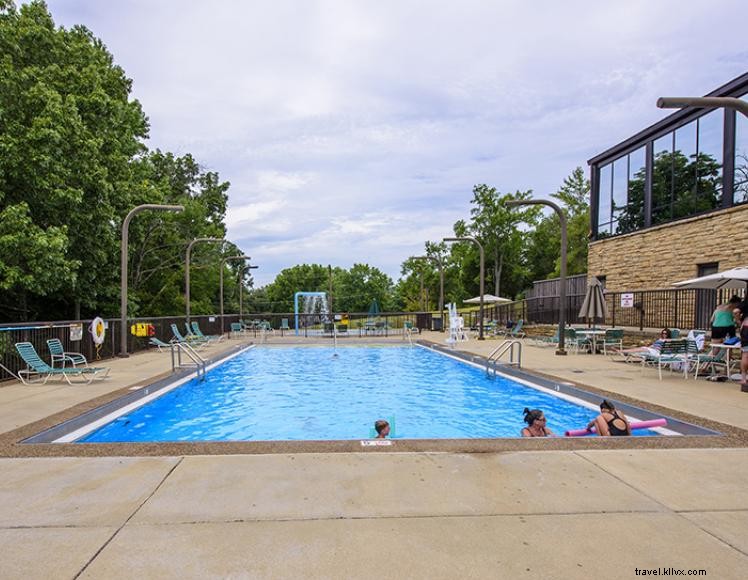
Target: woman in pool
535,424
610,423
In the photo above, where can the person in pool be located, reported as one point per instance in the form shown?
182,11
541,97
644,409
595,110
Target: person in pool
610,423
382,428
535,420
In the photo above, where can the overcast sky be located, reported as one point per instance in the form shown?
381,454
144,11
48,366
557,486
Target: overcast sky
354,131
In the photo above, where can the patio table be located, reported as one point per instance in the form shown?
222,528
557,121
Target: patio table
731,348
591,333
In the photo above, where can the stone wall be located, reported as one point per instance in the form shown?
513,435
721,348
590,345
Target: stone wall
658,257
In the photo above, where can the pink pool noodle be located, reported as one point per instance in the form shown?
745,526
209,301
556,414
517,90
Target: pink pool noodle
634,425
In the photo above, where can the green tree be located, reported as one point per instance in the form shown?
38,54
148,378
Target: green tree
358,287
68,132
300,278
32,260
543,247
496,227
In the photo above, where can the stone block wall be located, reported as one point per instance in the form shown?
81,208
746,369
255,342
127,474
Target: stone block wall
658,257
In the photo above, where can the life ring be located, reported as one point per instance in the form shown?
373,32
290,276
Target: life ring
97,330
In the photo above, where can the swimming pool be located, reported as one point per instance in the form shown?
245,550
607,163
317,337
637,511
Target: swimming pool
321,393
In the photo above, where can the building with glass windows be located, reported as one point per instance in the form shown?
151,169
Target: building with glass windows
671,202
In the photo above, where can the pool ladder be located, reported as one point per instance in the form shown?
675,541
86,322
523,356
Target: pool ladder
177,348
507,346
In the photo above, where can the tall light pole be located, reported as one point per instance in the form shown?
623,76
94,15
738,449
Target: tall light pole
223,263
562,279
241,288
703,102
441,283
123,266
482,277
187,271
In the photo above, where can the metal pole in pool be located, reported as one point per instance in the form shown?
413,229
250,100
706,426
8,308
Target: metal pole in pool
223,262
562,279
123,266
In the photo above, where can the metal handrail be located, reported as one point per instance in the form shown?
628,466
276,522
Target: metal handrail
501,350
199,362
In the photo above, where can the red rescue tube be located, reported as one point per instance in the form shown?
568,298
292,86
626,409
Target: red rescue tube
634,425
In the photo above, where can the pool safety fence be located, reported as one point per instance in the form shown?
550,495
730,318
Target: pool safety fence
683,308
76,337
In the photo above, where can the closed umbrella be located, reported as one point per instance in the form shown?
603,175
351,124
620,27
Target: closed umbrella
735,278
374,309
594,306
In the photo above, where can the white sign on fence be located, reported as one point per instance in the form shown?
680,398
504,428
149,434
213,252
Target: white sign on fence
76,332
627,300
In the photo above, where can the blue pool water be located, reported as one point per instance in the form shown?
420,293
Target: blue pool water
308,393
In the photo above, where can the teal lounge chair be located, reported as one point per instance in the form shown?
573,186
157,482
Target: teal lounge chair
159,344
58,354
36,366
284,325
178,337
199,333
517,331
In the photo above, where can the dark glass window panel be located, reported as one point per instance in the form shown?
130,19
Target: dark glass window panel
662,179
684,172
709,171
708,269
604,230
620,186
606,176
741,159
632,218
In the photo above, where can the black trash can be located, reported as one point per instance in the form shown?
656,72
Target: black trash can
436,324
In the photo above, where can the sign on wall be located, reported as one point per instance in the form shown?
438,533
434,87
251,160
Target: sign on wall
627,300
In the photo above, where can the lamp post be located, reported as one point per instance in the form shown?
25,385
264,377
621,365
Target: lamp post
441,284
123,266
480,248
187,271
241,288
705,102
562,279
223,263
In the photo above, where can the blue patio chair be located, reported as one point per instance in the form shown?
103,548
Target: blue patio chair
36,366
58,354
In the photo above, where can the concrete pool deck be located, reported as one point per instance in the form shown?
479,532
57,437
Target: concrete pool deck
557,514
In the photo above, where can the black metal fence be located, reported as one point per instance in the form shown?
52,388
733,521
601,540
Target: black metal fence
75,335
38,333
676,308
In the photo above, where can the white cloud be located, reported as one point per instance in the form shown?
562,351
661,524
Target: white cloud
353,131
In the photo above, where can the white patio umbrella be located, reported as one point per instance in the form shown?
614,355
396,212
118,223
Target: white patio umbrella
593,306
487,299
735,278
